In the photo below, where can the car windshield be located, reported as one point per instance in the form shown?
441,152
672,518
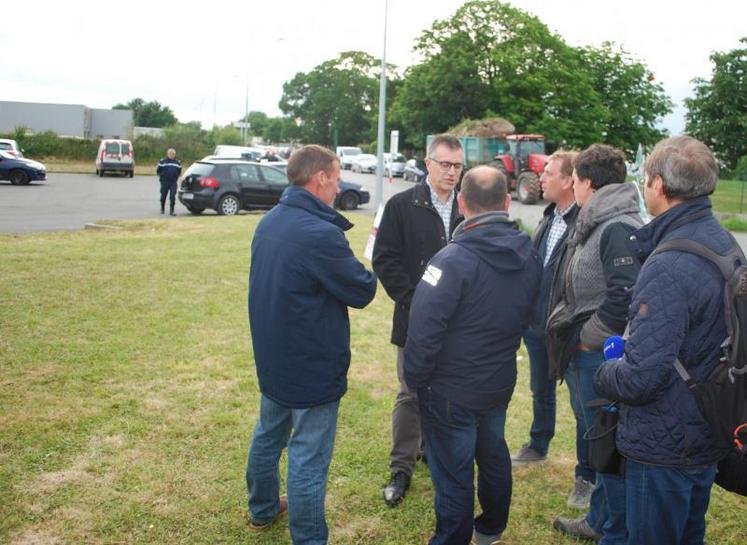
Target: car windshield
5,145
366,157
199,169
399,158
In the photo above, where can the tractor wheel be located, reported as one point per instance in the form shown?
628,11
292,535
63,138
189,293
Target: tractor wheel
528,188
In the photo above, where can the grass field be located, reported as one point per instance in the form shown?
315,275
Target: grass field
85,167
729,198
128,397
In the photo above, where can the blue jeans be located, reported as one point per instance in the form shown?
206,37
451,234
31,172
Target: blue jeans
667,505
543,394
456,438
607,511
312,437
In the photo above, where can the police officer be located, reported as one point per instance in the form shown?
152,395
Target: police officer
169,169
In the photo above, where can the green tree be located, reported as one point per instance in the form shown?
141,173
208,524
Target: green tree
491,59
717,114
148,114
338,95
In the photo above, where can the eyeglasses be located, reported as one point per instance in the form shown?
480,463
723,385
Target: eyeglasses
446,166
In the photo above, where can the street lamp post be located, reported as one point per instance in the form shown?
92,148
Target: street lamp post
382,113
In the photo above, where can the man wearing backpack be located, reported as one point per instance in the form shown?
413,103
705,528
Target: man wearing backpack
677,312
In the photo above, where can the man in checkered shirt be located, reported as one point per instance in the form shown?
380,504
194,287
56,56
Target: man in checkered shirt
558,220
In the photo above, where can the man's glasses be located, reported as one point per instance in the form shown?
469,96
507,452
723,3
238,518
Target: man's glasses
447,165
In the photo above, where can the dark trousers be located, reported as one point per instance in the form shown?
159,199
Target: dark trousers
543,394
168,188
456,438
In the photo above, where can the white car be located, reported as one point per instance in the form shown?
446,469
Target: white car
11,147
347,155
365,162
394,166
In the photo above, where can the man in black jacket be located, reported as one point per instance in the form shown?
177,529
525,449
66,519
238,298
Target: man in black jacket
558,221
469,311
169,169
416,224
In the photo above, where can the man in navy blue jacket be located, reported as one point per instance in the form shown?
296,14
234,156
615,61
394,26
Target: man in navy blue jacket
468,313
302,280
168,170
677,311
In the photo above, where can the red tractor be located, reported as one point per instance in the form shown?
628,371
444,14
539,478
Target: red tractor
523,161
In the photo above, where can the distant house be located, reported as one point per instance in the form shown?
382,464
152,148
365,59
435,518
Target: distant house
73,120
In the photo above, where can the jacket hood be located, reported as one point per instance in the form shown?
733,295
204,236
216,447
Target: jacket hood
648,237
607,202
298,197
496,240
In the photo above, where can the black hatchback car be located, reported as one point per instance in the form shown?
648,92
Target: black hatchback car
230,185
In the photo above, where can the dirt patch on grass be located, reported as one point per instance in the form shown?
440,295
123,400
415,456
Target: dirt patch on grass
46,482
33,537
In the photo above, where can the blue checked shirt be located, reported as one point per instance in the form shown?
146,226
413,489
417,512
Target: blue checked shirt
557,230
443,209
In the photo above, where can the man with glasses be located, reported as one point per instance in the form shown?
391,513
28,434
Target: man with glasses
415,225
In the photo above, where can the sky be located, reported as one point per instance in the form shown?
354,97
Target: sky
204,60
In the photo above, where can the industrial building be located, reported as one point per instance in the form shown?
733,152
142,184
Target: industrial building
73,120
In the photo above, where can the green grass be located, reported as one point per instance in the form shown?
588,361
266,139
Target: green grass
128,397
728,197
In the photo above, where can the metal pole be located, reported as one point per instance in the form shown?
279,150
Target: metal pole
382,115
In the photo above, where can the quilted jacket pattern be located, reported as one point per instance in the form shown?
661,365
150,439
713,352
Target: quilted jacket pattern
676,311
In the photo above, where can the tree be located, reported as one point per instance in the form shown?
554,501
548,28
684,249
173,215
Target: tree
491,59
337,100
148,114
717,114
633,103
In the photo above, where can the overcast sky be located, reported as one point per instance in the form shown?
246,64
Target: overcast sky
199,58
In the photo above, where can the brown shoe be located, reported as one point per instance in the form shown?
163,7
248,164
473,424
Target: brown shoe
255,525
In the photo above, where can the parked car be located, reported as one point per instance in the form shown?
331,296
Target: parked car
365,162
239,152
347,154
394,165
350,195
414,170
11,147
116,156
20,171
231,185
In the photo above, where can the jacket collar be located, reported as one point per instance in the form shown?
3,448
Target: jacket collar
648,237
487,218
298,197
607,202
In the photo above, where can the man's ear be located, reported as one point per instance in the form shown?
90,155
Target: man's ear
507,202
460,203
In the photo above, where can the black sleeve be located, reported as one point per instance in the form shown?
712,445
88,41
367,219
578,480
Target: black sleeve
388,258
621,269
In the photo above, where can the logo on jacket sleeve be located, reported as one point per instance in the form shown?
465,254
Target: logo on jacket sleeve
432,275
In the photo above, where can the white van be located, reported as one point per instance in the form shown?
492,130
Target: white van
239,152
115,156
346,154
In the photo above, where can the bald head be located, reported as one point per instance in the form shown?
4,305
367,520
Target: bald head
484,189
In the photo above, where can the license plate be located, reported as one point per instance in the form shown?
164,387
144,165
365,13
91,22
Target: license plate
188,196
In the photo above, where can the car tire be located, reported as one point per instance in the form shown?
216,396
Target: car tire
349,201
229,205
18,177
195,211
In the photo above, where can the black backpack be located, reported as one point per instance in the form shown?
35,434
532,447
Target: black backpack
722,397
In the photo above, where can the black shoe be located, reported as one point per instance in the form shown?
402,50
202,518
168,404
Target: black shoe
163,211
578,528
172,213
394,492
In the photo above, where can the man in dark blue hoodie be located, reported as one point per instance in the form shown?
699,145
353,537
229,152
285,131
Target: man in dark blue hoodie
677,312
302,280
472,305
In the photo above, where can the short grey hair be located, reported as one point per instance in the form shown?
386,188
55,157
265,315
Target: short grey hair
686,166
447,140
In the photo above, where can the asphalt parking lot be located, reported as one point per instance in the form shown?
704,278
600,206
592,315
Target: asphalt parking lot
70,201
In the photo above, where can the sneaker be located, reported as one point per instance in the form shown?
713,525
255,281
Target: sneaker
576,528
394,492
580,498
527,456
254,525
